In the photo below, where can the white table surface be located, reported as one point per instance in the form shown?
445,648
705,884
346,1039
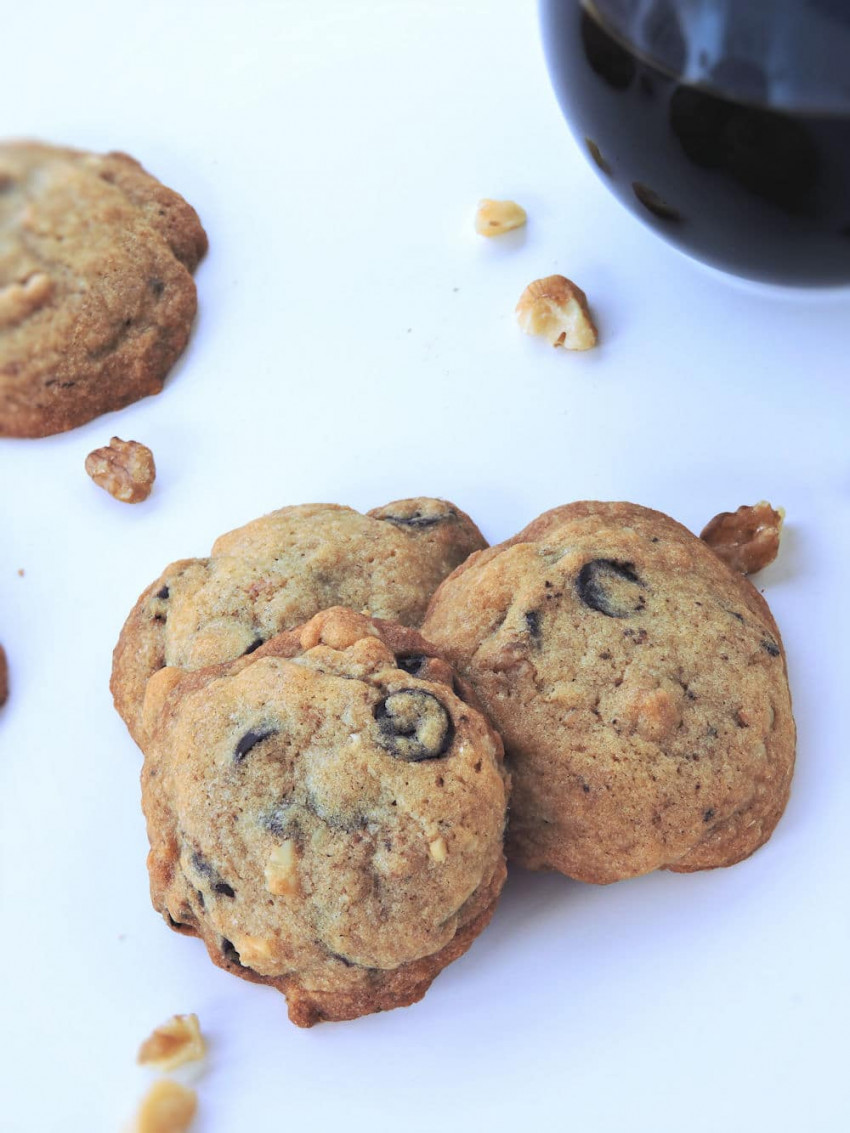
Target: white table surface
356,343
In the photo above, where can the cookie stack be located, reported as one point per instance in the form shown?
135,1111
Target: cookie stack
326,789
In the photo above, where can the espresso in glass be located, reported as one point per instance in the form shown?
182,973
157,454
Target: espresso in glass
724,124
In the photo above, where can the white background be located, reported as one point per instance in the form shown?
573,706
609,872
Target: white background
356,343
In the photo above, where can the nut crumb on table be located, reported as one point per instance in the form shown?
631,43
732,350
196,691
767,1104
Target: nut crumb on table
492,218
556,309
747,539
125,469
175,1042
167,1107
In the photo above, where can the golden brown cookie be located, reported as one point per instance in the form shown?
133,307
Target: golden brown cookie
278,571
96,291
639,685
327,814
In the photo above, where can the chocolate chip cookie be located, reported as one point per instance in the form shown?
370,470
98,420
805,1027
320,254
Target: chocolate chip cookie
639,685
96,291
327,814
278,571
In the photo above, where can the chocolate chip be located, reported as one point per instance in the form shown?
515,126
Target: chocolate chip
249,741
255,644
200,863
770,646
163,594
228,951
708,815
342,959
600,587
737,616
172,923
413,664
417,520
205,869
156,286
413,725
532,622
279,821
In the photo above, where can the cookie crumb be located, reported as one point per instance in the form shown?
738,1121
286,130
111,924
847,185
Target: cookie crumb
492,218
125,469
21,572
281,871
747,539
4,677
167,1107
176,1041
556,309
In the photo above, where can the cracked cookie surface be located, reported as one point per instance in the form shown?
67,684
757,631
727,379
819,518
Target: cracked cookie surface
639,685
96,292
276,572
328,822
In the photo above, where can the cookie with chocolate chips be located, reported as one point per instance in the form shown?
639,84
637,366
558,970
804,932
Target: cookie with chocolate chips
96,291
639,685
327,814
278,571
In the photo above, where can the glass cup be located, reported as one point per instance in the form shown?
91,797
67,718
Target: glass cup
723,124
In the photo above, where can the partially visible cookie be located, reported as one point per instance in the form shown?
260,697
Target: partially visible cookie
96,291
278,571
639,685
4,677
326,814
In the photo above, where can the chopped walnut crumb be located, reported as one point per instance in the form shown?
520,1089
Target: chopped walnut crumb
125,469
177,1041
492,218
4,677
438,849
557,310
281,871
167,1107
747,539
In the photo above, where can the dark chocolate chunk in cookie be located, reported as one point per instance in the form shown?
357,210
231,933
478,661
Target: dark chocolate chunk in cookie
609,587
413,725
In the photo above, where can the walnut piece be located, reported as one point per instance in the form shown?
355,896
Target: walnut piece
747,539
167,1107
557,310
124,468
438,849
177,1041
492,218
4,677
282,870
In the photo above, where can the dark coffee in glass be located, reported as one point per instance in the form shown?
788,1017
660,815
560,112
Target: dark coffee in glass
724,124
